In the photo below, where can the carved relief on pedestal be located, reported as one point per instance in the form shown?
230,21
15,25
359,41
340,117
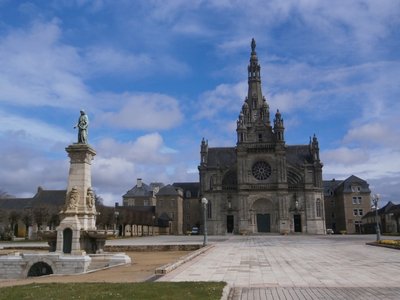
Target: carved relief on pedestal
90,200
72,199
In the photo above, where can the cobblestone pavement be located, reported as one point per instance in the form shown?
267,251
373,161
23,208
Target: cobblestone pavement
318,293
298,267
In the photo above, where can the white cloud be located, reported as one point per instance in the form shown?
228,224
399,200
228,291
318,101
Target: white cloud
39,70
371,164
105,60
32,129
290,101
374,134
222,99
143,111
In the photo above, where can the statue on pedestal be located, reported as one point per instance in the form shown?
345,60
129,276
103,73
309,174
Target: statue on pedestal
82,125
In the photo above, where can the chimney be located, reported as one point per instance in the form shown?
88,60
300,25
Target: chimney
139,182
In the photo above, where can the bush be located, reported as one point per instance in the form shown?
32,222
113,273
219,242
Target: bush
395,243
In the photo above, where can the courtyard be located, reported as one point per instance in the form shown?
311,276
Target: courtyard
278,267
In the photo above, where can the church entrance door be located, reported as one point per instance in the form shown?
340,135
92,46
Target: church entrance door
297,223
263,223
229,223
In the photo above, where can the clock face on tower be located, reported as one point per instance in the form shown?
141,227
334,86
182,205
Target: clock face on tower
261,170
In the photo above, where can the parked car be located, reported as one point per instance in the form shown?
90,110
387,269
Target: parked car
329,231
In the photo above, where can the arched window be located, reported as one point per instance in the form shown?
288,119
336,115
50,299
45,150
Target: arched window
209,210
318,207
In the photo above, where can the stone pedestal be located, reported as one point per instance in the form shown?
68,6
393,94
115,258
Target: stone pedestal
79,212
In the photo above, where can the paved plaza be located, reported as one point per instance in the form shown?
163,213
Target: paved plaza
287,267
298,267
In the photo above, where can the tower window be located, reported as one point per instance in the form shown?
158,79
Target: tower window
318,207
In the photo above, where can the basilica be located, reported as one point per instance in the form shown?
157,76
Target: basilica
262,185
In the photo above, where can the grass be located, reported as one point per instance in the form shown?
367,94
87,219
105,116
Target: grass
142,291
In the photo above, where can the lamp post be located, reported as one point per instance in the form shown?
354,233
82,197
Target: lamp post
116,229
375,199
204,201
153,218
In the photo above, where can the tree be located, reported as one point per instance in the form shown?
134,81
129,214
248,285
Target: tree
27,220
40,216
13,218
4,194
98,200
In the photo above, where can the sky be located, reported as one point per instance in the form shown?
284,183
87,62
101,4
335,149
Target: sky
155,77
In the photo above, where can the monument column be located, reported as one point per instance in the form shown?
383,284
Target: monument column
78,215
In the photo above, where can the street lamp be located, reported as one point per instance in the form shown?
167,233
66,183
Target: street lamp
154,218
204,201
116,229
375,199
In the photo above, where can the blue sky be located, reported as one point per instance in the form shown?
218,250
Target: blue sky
157,76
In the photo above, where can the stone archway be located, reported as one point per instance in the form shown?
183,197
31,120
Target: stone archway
264,216
40,269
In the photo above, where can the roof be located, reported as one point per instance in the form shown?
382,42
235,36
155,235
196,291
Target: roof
221,157
42,197
169,190
298,154
192,187
143,191
331,185
52,197
346,185
15,203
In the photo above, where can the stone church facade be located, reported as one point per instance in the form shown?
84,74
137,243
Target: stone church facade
262,185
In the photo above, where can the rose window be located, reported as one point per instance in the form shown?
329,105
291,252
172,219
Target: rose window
261,170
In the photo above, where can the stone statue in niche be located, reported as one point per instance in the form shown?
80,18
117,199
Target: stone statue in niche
90,198
83,124
72,201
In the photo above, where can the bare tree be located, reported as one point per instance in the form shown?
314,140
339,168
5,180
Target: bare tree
4,194
40,215
13,217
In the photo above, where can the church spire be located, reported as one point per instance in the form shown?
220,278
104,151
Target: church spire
259,109
255,110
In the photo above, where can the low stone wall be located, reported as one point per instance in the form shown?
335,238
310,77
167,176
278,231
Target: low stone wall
144,248
18,265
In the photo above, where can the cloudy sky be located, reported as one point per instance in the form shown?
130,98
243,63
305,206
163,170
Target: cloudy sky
157,76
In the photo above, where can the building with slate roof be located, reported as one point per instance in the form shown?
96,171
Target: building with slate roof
141,194
39,212
346,202
388,219
192,216
262,184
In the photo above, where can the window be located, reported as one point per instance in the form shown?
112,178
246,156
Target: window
171,203
145,202
318,207
355,212
260,137
188,194
171,215
354,200
209,210
358,200
360,212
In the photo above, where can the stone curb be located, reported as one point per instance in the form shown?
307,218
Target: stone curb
172,266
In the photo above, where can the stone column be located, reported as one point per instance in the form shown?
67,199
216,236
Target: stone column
79,212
